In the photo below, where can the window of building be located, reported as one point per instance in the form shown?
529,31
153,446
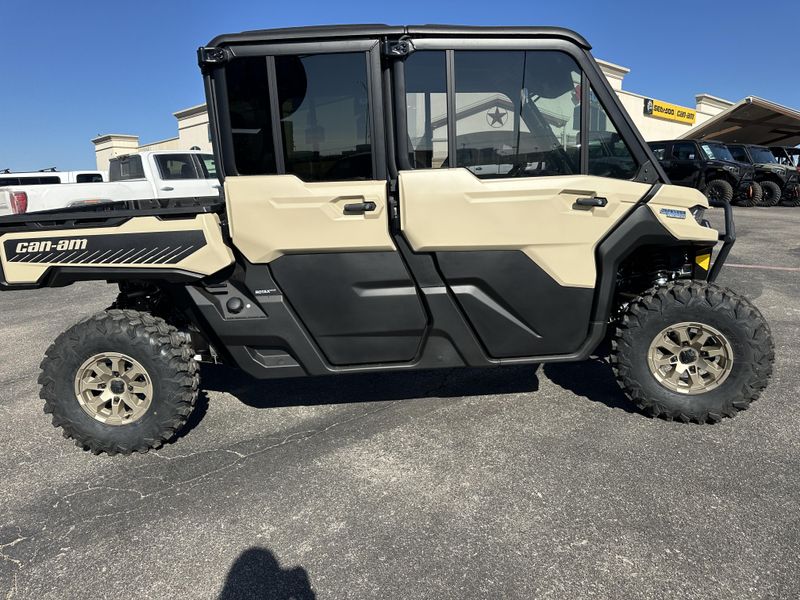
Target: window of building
684,151
248,106
516,113
125,168
426,108
324,114
176,166
609,155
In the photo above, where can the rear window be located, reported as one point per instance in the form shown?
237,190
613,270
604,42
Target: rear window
176,166
35,180
123,169
88,178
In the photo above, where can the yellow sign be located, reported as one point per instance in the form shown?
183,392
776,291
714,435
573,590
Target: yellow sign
669,112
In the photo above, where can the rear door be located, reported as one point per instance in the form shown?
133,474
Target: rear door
306,190
496,186
181,175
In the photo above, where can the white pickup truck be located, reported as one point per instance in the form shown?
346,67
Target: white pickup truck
162,175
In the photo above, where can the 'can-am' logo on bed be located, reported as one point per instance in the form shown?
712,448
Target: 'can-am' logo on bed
48,245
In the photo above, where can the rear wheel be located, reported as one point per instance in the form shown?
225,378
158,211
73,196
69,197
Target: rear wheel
719,192
771,193
753,199
692,351
121,381
792,196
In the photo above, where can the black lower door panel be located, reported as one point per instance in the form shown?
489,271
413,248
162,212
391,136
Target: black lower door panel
360,307
514,306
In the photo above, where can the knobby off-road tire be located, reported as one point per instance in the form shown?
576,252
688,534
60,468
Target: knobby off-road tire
156,370
719,192
771,194
752,200
791,197
737,329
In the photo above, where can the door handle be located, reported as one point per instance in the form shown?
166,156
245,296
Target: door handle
359,208
167,189
590,202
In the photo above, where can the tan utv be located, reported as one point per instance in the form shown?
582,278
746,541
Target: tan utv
396,198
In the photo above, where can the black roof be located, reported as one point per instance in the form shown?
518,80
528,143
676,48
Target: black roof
378,30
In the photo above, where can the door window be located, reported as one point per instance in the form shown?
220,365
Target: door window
609,155
426,109
126,168
659,150
176,166
517,113
739,154
684,151
324,115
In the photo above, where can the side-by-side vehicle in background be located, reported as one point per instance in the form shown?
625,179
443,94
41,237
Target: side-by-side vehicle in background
779,183
397,198
155,176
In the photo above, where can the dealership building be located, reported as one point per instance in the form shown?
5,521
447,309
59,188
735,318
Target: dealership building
752,120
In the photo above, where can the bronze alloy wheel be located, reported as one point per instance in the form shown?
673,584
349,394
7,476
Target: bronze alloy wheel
113,388
690,358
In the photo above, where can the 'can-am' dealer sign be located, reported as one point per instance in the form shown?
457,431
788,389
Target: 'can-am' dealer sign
670,112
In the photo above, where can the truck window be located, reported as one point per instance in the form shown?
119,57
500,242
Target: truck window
659,150
208,166
615,160
517,113
248,109
324,116
426,108
739,154
176,166
88,178
125,168
684,151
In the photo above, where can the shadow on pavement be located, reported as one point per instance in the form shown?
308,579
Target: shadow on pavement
375,387
256,574
592,379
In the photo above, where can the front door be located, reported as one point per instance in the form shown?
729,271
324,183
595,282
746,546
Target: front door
682,166
496,187
307,198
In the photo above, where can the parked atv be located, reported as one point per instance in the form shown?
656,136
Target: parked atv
779,183
363,231
708,167
790,158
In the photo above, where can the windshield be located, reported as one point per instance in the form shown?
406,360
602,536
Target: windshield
716,151
762,155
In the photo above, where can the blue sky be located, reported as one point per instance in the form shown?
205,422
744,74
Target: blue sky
71,70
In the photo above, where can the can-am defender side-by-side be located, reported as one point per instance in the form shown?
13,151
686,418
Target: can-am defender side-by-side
397,198
710,168
779,183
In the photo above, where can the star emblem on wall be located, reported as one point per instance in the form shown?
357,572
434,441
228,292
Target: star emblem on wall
496,118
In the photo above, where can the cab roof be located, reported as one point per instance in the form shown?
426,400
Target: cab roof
394,31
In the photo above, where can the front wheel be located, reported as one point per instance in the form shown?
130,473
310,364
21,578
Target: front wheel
121,381
719,192
753,198
792,196
771,193
692,351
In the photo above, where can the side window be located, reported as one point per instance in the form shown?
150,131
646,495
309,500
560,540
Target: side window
176,166
517,113
88,178
659,150
426,108
684,151
125,168
609,155
324,115
248,109
209,166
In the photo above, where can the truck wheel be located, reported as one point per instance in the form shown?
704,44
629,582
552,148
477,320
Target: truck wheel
752,200
792,197
692,351
719,192
771,193
120,381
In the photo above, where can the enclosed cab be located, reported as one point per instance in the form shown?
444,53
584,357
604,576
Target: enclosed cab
778,182
708,167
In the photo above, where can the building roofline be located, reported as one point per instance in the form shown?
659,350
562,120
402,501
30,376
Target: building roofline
191,111
104,137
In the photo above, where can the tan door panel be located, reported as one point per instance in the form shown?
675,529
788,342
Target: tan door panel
451,209
272,215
